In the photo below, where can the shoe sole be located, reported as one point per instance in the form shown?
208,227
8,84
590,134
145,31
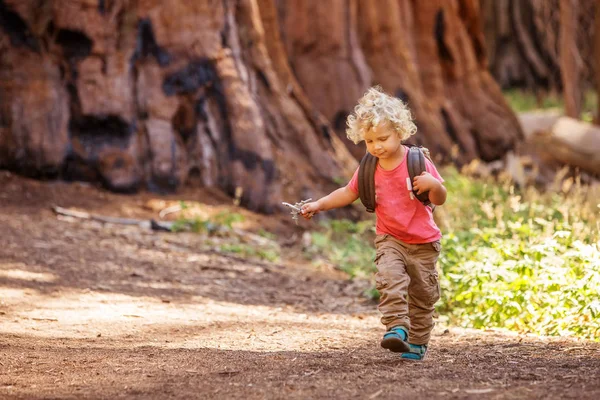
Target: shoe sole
396,345
410,358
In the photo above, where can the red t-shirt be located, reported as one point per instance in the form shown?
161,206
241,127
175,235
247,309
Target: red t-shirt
397,214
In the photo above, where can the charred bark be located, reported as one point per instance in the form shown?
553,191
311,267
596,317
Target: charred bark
148,94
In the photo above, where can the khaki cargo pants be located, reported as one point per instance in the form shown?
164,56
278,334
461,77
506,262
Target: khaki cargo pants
407,280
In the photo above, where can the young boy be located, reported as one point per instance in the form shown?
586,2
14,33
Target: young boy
408,240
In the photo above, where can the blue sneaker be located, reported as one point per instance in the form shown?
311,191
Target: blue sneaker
395,340
416,352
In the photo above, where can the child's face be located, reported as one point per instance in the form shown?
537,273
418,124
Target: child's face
382,141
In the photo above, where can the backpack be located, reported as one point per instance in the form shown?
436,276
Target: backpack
415,160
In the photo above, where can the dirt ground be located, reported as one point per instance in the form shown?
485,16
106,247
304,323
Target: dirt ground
92,310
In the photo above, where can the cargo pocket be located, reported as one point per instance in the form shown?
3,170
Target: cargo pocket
380,282
434,287
437,246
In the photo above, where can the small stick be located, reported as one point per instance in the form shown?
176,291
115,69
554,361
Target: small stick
296,209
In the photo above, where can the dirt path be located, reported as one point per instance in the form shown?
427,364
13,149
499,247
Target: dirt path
99,311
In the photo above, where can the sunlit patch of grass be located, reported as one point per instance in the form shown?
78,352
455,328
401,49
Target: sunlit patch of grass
222,220
523,101
522,260
224,238
245,250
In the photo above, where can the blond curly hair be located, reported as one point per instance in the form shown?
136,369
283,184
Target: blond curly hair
375,108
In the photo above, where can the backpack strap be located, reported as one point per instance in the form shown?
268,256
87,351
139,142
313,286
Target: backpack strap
366,181
415,160
416,166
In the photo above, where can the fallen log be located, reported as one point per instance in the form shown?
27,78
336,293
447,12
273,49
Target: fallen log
571,142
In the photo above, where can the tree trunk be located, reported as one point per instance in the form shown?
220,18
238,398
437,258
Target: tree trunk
569,58
596,58
237,94
323,50
524,38
431,54
145,93
521,53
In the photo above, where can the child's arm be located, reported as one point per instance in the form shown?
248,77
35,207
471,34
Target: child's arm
336,199
437,190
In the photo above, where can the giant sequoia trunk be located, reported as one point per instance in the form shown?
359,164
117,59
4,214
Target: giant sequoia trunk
430,53
541,44
157,93
148,93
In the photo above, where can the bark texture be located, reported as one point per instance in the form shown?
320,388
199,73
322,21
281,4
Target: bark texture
570,63
596,58
531,43
429,53
155,94
239,94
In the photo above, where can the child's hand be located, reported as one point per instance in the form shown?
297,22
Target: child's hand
424,182
310,209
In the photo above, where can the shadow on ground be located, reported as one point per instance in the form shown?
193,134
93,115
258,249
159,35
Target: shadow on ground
454,369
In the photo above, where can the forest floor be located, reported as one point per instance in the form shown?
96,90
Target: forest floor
92,310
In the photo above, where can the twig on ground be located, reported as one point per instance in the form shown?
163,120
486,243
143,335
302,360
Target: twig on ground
149,224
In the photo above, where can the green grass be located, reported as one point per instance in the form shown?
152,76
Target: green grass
222,237
523,101
245,250
523,261
220,221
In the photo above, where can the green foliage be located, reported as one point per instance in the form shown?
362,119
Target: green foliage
220,227
340,180
265,234
523,261
513,259
246,250
523,101
220,221
347,245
